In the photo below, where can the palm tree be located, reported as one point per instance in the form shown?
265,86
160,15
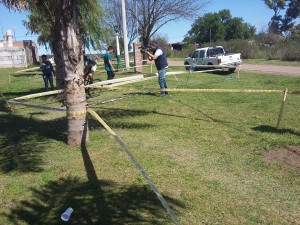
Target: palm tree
67,48
41,21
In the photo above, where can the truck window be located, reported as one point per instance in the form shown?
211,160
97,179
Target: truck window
220,51
196,54
201,55
214,52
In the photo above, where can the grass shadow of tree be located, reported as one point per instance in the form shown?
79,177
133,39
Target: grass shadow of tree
23,140
94,202
102,202
10,95
112,115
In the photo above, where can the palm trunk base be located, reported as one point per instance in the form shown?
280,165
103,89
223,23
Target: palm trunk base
80,134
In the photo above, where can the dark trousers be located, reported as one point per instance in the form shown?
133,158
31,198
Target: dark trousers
50,79
110,75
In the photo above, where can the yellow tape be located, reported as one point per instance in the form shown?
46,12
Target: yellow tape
137,165
76,113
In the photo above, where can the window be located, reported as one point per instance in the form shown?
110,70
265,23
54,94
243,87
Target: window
201,54
196,54
214,52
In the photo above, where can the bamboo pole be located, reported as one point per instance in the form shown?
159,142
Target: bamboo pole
39,94
281,108
29,69
194,90
118,80
37,106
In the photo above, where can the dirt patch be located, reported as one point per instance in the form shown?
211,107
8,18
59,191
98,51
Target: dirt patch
289,155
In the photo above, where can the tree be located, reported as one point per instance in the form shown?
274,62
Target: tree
280,23
41,21
151,15
276,21
295,33
219,26
113,19
67,49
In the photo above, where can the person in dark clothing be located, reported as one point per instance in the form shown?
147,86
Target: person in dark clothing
108,63
47,69
160,58
90,67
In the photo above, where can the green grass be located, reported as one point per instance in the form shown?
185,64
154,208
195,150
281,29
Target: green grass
203,151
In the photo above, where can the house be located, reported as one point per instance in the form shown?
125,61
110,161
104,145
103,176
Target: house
17,54
177,46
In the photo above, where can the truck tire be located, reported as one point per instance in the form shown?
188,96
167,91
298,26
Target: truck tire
231,70
210,66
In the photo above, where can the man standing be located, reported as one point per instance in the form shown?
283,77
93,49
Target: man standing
47,69
160,58
108,63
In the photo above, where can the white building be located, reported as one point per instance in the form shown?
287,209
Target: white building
17,54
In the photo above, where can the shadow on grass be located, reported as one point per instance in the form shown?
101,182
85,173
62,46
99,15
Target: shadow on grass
10,95
23,140
111,115
98,202
270,129
222,73
94,202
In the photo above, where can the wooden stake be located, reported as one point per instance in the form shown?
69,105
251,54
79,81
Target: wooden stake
281,108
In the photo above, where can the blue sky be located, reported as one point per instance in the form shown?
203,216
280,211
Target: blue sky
254,12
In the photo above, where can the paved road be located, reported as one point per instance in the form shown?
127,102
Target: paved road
278,70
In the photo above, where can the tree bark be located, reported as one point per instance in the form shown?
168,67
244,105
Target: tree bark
70,55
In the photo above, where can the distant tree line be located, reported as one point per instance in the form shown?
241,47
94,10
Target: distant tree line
219,26
280,40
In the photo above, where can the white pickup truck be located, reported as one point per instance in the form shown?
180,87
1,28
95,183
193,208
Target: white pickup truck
215,57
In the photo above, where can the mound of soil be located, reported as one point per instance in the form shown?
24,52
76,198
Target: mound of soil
289,155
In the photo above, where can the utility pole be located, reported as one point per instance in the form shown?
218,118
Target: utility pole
125,35
118,45
137,22
15,33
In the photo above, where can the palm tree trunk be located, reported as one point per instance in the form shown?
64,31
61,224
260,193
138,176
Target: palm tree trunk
69,52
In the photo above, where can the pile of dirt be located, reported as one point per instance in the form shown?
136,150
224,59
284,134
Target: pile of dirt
289,155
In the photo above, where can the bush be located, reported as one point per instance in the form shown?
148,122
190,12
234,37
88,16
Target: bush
185,52
291,50
248,48
263,47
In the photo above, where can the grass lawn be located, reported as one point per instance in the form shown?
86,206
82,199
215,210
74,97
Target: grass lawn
205,152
